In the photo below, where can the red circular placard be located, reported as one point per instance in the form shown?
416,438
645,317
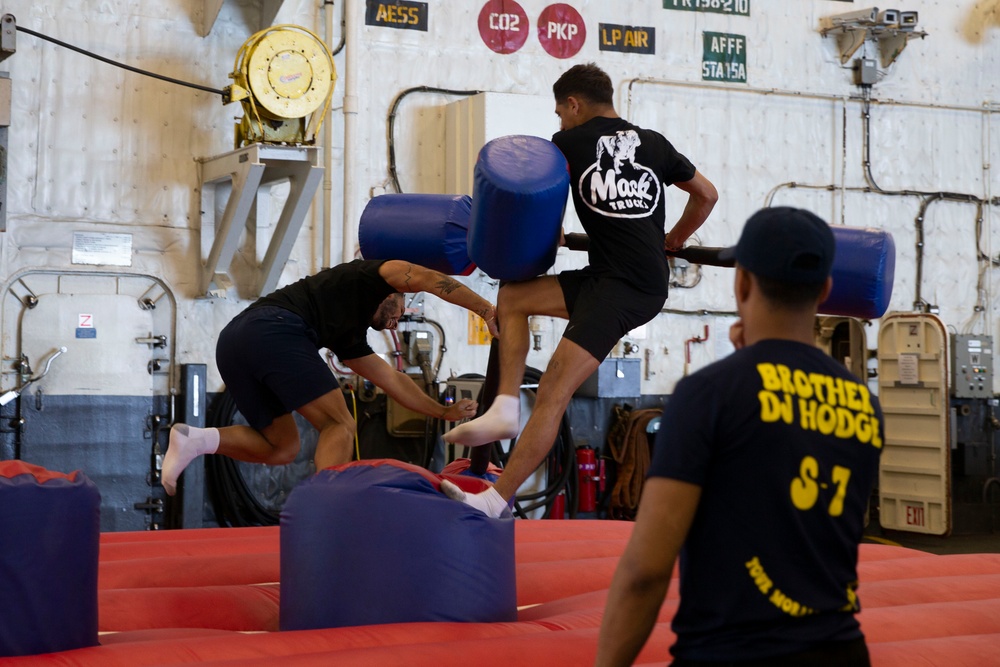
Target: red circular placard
503,25
561,30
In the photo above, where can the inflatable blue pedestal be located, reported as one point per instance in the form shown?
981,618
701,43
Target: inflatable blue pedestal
376,542
50,527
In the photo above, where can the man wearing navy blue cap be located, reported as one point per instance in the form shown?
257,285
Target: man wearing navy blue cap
761,473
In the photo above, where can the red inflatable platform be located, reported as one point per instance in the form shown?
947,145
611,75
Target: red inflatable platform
210,597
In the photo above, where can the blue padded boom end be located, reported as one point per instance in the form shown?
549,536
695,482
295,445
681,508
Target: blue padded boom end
520,189
429,230
863,272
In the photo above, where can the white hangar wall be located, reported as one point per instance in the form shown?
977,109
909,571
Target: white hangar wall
96,149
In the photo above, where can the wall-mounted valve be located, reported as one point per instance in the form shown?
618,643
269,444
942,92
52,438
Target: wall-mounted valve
24,370
158,366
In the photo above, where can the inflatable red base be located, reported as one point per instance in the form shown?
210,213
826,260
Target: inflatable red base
212,597
190,597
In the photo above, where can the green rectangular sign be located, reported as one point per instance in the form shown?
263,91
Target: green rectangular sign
724,57
738,7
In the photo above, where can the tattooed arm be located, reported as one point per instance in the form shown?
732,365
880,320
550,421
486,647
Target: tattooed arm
407,277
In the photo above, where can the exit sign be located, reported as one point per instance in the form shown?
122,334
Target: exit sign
915,515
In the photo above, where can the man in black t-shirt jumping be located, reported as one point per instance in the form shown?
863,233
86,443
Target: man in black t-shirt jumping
618,175
269,358
761,473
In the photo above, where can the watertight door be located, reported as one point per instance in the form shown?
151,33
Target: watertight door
915,471
92,411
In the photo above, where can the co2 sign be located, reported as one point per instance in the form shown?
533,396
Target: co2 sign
505,22
503,26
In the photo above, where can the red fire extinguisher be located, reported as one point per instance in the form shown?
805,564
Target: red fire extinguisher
558,506
586,465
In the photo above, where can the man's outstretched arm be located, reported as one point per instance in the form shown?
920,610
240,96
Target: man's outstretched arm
409,277
702,196
404,390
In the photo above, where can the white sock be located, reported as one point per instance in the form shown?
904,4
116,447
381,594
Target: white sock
501,422
186,444
489,502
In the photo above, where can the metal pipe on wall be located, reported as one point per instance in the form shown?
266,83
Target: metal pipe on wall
988,196
327,199
354,22
988,108
986,111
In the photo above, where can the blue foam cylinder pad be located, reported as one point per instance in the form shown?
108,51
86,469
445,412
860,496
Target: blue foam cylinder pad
49,545
520,189
426,229
863,271
376,542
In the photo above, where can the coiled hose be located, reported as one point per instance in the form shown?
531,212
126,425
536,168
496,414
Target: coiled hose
560,467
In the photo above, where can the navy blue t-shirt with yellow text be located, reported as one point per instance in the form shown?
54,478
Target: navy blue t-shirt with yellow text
785,444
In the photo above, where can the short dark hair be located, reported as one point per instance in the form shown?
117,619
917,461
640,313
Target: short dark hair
790,296
587,81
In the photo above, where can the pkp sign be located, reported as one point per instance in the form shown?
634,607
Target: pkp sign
561,30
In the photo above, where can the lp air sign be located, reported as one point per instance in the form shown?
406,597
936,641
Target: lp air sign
724,58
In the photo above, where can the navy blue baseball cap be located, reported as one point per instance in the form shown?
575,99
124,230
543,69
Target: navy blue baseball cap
786,244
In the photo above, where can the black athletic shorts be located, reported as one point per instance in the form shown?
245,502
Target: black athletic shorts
269,359
603,309
853,653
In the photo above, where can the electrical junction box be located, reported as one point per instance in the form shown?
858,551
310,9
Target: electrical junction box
419,343
865,72
971,366
614,378
458,388
401,421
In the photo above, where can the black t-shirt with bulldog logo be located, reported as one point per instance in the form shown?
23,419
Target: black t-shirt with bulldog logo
618,174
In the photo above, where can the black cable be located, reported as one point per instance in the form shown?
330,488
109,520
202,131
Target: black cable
343,27
442,347
231,498
118,64
560,462
994,261
870,179
560,467
391,123
919,224
927,198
